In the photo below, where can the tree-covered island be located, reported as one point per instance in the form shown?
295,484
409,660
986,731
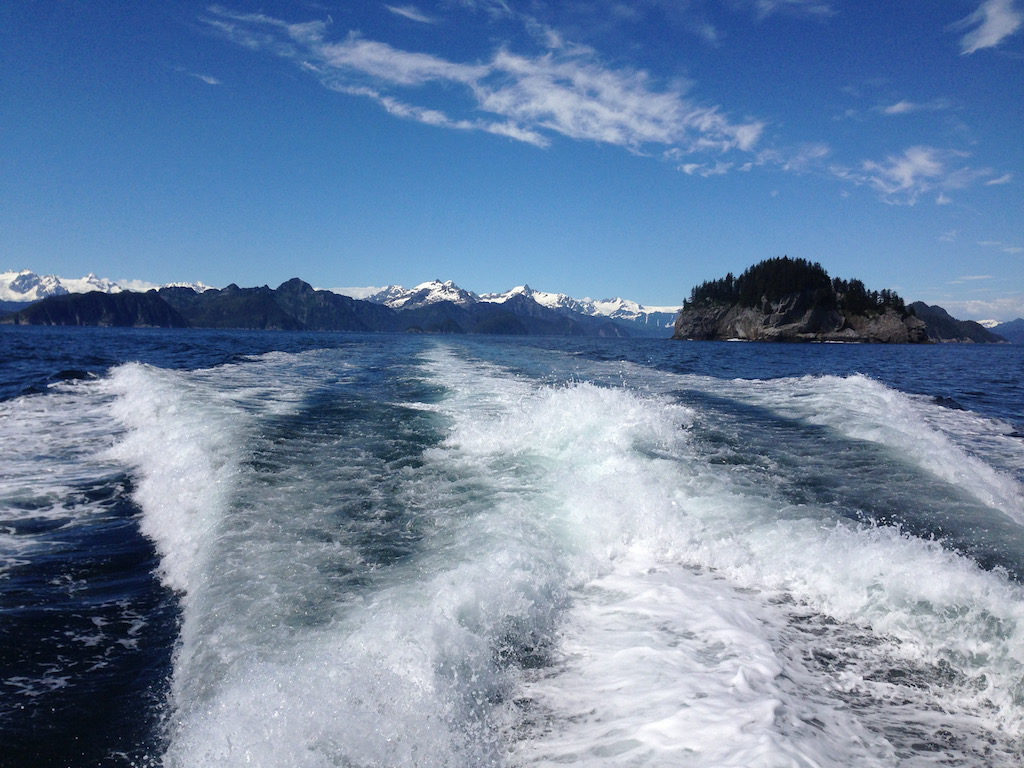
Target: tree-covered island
784,299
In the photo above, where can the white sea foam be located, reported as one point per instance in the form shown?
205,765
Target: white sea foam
50,447
928,434
576,582
186,449
186,435
621,476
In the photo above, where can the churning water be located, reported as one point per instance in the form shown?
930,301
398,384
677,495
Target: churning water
339,550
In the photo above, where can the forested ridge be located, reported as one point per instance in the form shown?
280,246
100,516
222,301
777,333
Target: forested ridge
773,279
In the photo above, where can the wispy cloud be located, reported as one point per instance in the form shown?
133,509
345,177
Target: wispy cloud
1004,247
765,8
566,90
904,107
491,7
907,176
903,179
1006,178
208,79
994,21
412,13
969,279
705,169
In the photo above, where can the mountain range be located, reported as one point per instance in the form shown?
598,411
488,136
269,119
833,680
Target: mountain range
434,305
435,291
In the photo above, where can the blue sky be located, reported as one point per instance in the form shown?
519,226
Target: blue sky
596,148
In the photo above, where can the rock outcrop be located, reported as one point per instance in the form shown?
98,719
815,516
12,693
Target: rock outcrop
796,317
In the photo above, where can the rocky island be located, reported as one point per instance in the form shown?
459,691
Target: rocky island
784,299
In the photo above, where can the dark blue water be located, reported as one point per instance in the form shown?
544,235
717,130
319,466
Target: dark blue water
240,495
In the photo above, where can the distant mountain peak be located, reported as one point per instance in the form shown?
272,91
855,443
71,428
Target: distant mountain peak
25,286
430,292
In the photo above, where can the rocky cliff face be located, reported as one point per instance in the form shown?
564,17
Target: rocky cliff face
795,317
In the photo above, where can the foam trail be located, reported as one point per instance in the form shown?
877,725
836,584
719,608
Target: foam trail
623,478
522,574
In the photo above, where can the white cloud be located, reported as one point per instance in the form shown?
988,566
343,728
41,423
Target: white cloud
899,108
389,64
907,176
358,292
707,32
1003,308
904,107
208,79
903,179
140,286
565,90
765,8
806,156
410,12
1004,247
994,21
495,8
943,199
949,236
702,169
1006,178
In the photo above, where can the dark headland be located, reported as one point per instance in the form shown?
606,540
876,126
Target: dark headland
792,300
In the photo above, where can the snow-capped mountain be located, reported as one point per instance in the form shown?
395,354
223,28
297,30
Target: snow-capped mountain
617,308
545,299
27,286
431,292
197,286
397,297
89,283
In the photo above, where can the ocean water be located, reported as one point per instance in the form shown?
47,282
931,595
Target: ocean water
277,549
